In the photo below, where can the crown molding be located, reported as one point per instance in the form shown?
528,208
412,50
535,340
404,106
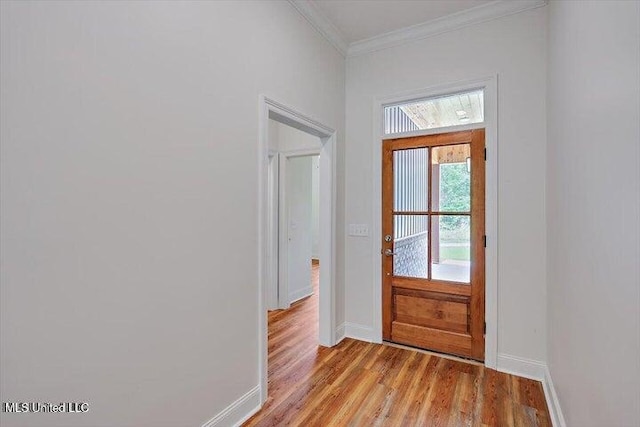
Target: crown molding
322,24
478,14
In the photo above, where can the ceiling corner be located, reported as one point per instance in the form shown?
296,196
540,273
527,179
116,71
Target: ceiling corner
486,12
322,24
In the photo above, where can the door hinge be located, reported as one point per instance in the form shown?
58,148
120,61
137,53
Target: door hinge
485,328
484,240
485,154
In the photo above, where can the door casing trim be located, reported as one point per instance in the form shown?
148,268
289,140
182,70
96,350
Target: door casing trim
490,124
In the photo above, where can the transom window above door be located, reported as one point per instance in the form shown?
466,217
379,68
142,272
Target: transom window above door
437,112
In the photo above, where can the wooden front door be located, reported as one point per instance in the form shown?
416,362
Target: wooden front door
433,242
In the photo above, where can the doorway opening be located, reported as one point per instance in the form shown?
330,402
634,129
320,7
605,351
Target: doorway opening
289,142
293,210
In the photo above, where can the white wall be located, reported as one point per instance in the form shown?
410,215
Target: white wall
514,48
594,211
315,207
299,207
129,199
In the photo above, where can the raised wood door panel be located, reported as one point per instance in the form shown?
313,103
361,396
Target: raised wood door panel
433,242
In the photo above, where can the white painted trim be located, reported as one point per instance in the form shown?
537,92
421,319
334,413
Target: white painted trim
465,18
520,366
360,332
285,115
239,411
302,152
340,333
284,300
476,15
490,85
300,293
270,109
321,23
273,228
539,371
327,242
445,129
553,404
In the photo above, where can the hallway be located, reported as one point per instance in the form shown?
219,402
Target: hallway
363,384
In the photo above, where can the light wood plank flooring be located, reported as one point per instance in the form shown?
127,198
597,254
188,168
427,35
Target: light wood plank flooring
362,384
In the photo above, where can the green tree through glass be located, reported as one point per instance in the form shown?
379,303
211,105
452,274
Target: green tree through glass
455,183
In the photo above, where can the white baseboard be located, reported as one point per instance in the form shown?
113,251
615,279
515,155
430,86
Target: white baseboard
539,371
340,333
299,294
359,332
239,411
521,366
553,404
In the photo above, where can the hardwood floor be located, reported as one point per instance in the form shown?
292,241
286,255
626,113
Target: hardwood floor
362,384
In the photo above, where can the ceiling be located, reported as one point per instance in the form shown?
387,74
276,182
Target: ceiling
362,19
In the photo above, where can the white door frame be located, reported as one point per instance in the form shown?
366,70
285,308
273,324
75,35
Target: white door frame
282,285
270,109
273,190
490,86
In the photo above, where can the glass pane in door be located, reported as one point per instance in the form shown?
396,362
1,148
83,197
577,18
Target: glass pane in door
410,180
411,245
451,248
451,178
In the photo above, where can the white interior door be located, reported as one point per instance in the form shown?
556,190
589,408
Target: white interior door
299,226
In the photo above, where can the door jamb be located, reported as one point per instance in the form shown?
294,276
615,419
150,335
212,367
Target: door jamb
270,109
490,86
273,228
